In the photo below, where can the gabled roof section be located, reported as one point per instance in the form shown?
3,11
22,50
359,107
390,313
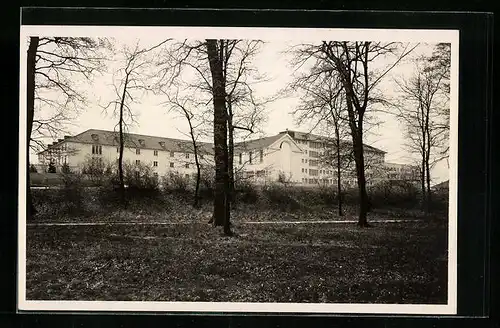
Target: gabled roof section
314,137
132,140
260,143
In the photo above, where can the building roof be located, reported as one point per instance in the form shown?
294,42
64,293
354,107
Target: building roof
314,137
256,143
132,140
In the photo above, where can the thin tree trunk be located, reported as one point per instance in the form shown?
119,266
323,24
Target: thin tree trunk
121,135
196,199
339,183
360,174
422,184
428,180
30,103
221,204
230,158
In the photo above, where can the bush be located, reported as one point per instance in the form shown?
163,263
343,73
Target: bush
277,195
72,193
65,168
394,193
33,169
245,191
175,182
52,168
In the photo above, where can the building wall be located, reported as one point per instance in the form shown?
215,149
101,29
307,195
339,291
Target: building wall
299,161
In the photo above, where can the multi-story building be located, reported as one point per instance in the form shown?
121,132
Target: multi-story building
298,157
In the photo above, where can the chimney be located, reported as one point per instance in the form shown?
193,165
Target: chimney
59,140
67,137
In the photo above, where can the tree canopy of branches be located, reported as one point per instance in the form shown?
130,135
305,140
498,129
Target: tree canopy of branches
56,69
422,109
195,66
351,62
130,82
322,103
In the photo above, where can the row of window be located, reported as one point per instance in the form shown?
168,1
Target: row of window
155,163
251,157
138,152
315,172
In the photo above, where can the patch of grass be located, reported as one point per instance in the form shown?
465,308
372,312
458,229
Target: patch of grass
396,262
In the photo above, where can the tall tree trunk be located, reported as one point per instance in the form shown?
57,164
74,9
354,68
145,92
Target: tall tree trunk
221,204
121,140
196,199
422,184
230,158
339,181
30,103
428,179
360,174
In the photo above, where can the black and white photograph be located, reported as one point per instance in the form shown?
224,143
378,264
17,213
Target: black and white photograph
234,169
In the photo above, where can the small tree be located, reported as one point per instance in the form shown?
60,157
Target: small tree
65,168
52,168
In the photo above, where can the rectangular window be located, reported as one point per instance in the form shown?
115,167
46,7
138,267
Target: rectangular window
302,170
137,162
117,149
137,151
305,170
171,164
155,174
187,155
96,150
186,165
137,176
261,155
313,172
172,154
241,158
187,176
305,161
250,157
155,152
155,163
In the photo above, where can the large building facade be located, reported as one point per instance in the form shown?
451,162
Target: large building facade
297,157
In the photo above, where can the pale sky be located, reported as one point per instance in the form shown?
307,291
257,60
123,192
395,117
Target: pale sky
153,118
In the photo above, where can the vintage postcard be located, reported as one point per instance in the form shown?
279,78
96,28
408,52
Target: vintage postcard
219,169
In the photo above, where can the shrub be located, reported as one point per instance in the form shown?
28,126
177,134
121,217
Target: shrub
175,182
277,195
72,193
245,191
33,169
394,193
52,168
65,168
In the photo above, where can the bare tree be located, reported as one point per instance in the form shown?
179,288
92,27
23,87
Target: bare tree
242,110
352,62
54,67
215,53
130,82
185,106
421,110
322,103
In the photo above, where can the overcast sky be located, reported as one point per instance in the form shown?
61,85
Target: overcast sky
153,118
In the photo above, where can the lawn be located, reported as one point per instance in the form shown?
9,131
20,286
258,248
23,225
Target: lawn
190,261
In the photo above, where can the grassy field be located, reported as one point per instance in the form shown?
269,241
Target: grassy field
334,262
